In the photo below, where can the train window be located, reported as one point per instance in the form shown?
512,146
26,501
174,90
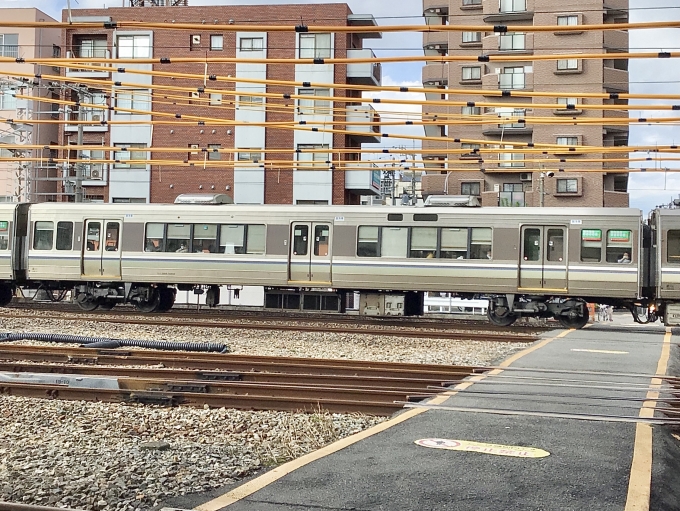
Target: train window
673,247
367,245
423,242
395,217
255,239
425,217
93,231
394,242
480,243
205,238
154,238
555,245
232,239
619,246
178,238
454,243
42,235
64,235
591,245
532,245
321,239
4,235
112,229
300,239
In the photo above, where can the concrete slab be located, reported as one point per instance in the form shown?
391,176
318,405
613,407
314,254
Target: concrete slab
600,372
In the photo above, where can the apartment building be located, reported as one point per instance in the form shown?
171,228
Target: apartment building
507,179
262,164
21,178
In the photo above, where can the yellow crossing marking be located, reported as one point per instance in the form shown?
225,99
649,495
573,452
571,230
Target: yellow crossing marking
608,352
495,449
640,481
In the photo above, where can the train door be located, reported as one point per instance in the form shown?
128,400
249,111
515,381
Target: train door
101,251
310,252
543,264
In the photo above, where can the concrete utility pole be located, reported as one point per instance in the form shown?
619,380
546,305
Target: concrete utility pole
79,161
541,189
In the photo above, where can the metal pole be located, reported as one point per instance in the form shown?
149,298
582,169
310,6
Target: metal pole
394,199
79,161
541,184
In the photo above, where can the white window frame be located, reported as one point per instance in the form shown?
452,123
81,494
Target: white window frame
471,71
215,99
569,182
315,46
124,156
314,106
251,44
92,48
513,41
567,20
508,159
9,50
563,103
472,37
313,161
140,47
471,110
568,64
567,140
214,39
246,102
249,154
512,78
512,6
133,99
8,100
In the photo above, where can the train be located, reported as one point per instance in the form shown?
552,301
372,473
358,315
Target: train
527,262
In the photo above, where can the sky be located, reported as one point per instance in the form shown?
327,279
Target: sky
656,76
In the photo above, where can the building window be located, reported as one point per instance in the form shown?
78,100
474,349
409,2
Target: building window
512,78
90,48
471,110
217,42
213,152
250,155
472,37
513,5
511,114
95,169
472,2
193,152
672,247
319,159
567,186
91,113
512,41
215,99
591,245
472,73
619,246
314,106
315,46
567,65
512,195
134,100
569,141
251,44
43,234
8,101
511,160
128,158
569,20
470,149
9,45
469,189
250,102
567,103
134,46
129,200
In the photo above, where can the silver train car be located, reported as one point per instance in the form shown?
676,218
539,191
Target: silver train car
537,262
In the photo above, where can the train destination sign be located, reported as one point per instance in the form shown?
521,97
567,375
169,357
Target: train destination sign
495,449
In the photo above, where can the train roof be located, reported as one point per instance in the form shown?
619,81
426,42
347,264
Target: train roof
92,208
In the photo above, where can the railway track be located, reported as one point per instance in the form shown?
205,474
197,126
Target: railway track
216,380
356,325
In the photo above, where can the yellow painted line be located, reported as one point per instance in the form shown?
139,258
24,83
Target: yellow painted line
640,482
483,448
608,352
258,483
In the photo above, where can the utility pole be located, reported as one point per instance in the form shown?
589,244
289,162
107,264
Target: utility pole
541,189
79,159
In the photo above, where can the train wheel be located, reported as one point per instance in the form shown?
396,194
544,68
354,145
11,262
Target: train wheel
501,316
150,305
85,302
6,293
167,299
107,305
578,321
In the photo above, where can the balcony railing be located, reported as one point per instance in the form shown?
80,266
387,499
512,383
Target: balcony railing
511,200
93,115
365,73
92,67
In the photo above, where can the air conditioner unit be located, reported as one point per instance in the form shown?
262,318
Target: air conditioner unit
195,39
525,176
96,174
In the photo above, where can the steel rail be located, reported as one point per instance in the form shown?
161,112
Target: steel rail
339,381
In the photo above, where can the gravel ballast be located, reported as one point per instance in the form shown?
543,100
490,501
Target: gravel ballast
105,456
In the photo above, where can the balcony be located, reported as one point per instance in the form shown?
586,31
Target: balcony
436,74
616,199
508,81
616,40
615,114
365,73
89,73
363,133
435,149
434,11
435,43
362,181
94,115
615,79
364,20
509,44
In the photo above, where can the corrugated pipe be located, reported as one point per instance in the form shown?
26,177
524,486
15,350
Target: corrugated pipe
105,342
